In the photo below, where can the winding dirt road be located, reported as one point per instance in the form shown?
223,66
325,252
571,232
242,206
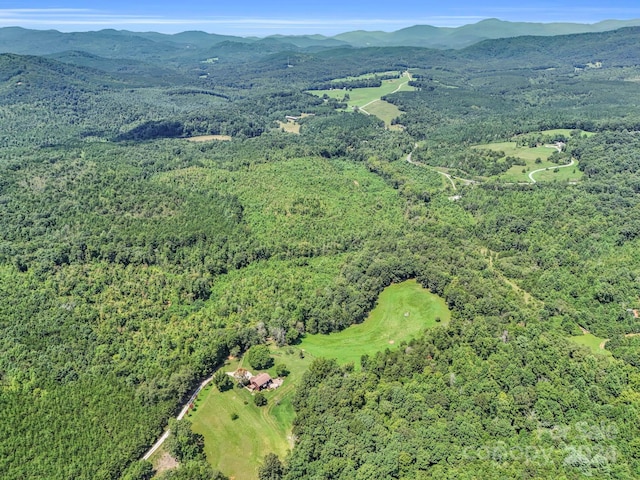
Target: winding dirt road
418,164
572,163
362,108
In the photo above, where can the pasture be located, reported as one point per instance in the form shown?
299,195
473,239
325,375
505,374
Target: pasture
290,127
237,446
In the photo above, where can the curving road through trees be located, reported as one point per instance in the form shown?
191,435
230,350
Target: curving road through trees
570,164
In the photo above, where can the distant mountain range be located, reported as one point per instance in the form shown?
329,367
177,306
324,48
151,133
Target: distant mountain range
126,44
460,37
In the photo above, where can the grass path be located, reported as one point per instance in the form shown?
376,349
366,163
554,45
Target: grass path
362,108
444,174
528,298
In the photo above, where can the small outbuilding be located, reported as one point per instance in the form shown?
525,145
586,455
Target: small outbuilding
260,382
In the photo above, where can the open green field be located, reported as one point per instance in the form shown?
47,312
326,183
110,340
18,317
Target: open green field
529,155
592,342
403,311
369,98
237,447
525,153
359,97
385,111
568,174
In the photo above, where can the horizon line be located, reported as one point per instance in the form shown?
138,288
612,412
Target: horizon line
123,22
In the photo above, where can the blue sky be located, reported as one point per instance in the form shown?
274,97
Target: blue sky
262,18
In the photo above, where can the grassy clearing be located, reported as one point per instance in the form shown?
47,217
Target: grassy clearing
365,76
525,153
162,461
591,341
370,98
385,111
529,155
516,175
237,447
209,138
569,174
290,127
404,310
359,97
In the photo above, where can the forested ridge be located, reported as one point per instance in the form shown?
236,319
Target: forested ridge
133,262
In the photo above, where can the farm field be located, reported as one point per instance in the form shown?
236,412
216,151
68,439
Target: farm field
236,447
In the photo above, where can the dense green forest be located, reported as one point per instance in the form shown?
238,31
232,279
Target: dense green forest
133,261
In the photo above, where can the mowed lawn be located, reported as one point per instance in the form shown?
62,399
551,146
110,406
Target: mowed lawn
554,174
529,155
404,310
591,341
237,447
385,111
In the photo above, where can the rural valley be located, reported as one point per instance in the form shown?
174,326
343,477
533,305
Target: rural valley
407,255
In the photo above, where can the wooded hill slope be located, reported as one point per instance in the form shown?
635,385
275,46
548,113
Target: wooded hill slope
132,262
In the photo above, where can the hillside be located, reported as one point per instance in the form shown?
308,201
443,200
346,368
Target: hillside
460,37
134,262
152,46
